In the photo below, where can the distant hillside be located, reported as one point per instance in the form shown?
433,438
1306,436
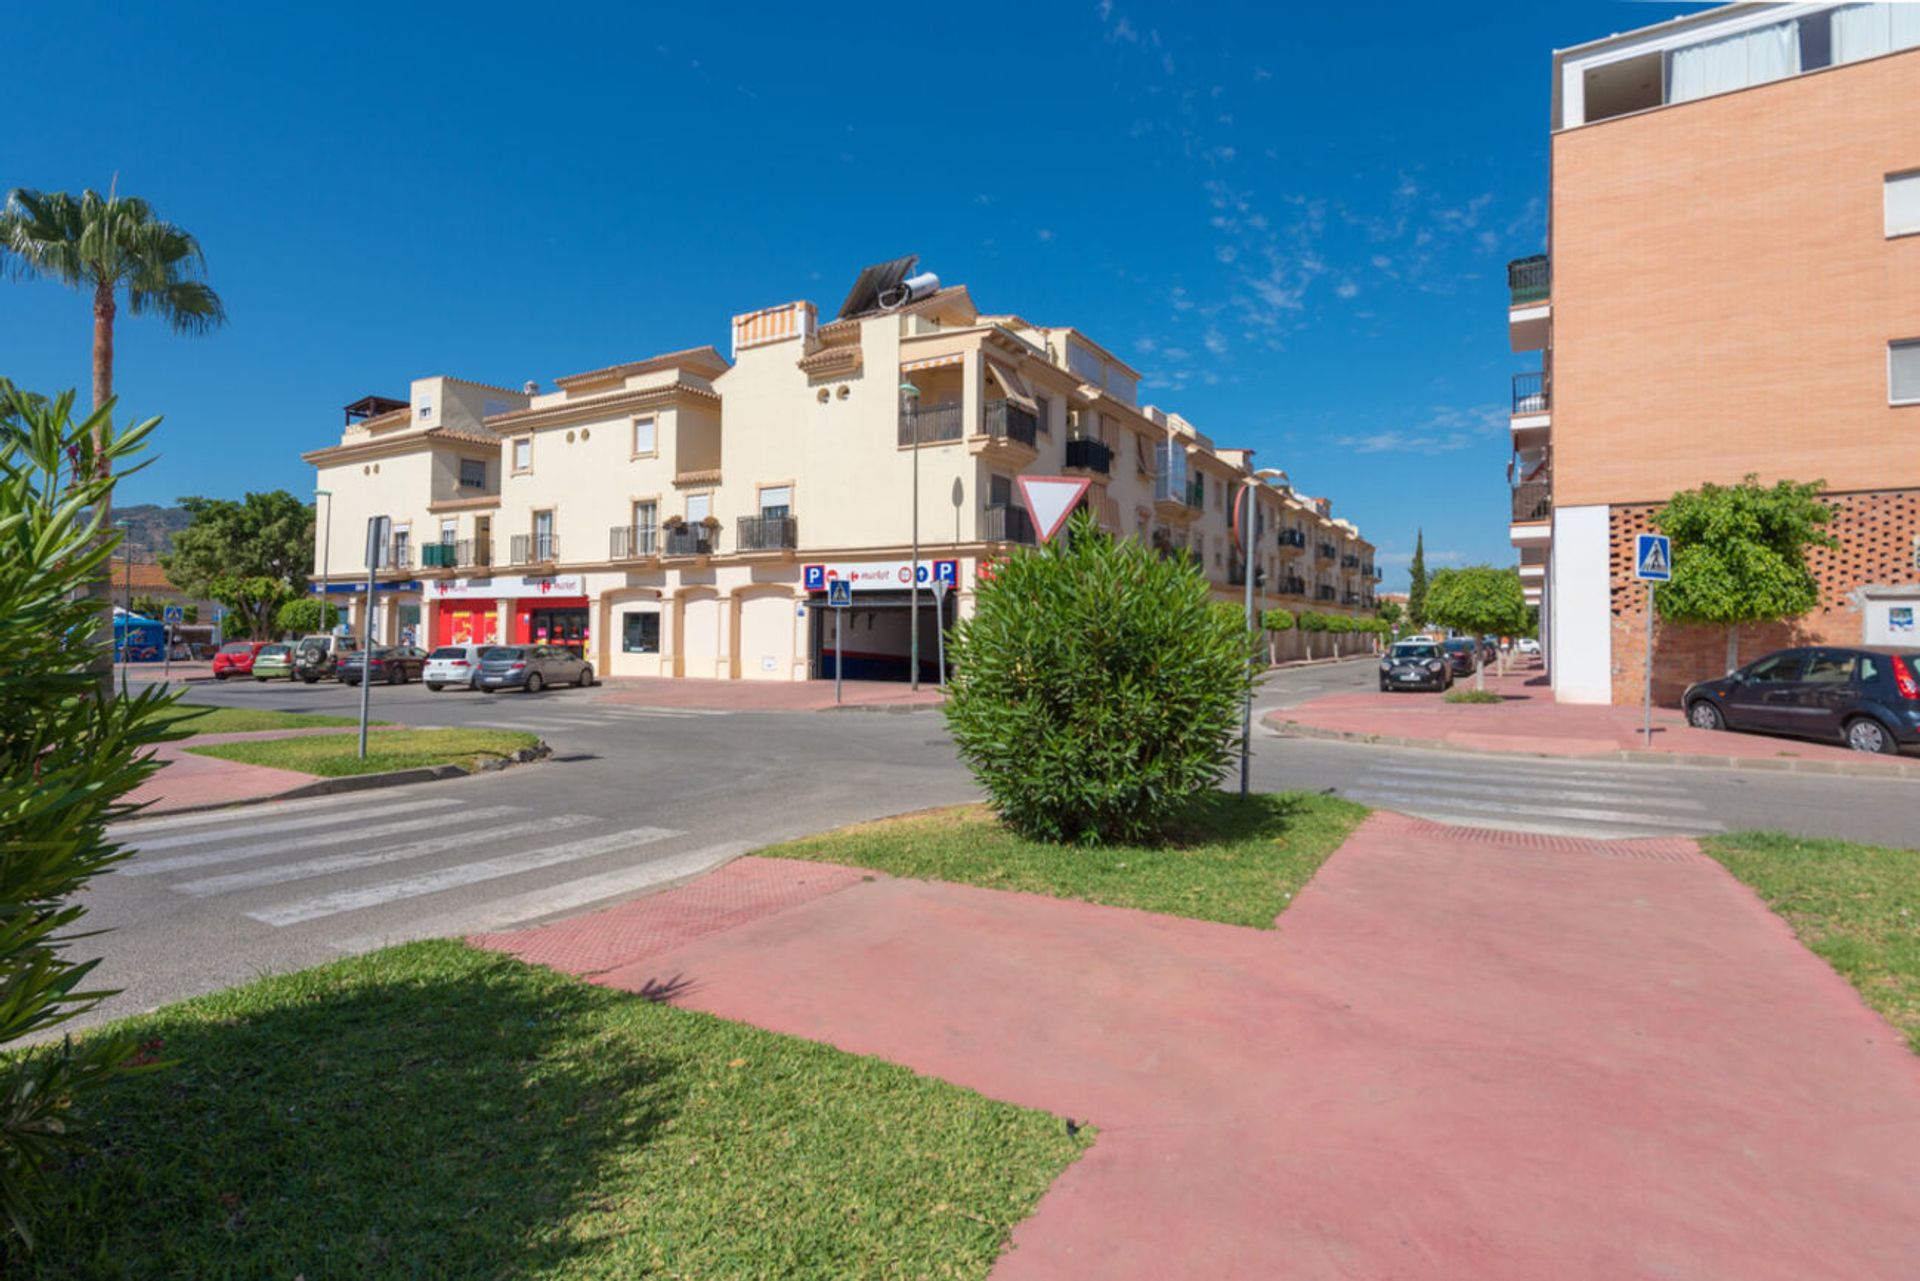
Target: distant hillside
150,528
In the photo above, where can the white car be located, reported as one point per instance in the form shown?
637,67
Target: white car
452,665
1527,645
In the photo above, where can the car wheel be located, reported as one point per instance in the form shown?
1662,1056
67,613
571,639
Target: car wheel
261,679
1383,684
1704,715
311,680
535,683
1864,734
396,676
435,686
220,676
586,677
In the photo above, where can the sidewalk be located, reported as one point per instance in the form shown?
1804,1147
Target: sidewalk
1461,1055
1527,721
764,696
187,781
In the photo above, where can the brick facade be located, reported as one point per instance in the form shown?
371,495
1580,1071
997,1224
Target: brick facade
1879,535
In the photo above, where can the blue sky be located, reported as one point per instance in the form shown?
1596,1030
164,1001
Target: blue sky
1294,220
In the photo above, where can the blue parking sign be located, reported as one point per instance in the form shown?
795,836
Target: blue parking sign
1653,558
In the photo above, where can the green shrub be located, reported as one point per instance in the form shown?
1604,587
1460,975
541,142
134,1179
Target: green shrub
68,753
1096,689
308,616
1277,620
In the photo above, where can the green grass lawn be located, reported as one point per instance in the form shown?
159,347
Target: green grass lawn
437,1111
196,719
1472,696
1236,863
335,755
1856,906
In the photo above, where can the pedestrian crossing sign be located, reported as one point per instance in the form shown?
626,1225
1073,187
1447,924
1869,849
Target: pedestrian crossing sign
839,592
1653,558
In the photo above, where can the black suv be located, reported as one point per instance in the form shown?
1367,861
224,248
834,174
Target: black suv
1867,697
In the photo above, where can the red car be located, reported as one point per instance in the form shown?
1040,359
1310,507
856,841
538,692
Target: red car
236,658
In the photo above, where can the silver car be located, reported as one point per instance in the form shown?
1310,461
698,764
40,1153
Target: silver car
452,665
531,668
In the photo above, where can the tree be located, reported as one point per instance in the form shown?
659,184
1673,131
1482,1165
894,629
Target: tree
69,754
1740,554
103,245
1273,621
1478,600
1390,613
1097,690
1417,581
307,616
252,556
1311,623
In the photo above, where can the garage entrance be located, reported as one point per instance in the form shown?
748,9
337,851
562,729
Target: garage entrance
876,635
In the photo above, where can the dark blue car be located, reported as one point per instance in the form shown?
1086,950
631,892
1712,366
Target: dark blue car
1867,697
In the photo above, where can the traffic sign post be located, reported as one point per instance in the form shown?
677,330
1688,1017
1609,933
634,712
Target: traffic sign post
839,599
1050,500
171,616
1652,563
940,626
379,530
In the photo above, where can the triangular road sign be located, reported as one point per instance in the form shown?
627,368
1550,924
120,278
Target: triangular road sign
1050,500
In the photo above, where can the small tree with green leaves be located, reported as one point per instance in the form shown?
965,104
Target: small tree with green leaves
1097,689
1740,554
69,754
1478,600
1390,614
308,616
252,556
1273,622
1312,624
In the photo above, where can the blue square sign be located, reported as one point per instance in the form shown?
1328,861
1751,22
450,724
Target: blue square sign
839,593
173,614
1653,558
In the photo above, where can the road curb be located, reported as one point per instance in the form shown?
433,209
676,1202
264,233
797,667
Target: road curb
1698,760
881,707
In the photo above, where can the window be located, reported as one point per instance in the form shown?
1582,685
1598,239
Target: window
646,528
1044,409
1903,372
1903,203
1777,669
699,507
645,437
1829,668
640,634
999,491
426,410
523,454
776,500
402,537
473,473
1869,30
449,530
543,535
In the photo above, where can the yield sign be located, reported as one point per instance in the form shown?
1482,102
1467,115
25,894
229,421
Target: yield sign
1050,499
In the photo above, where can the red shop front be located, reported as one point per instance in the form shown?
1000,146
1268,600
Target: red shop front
553,620
466,623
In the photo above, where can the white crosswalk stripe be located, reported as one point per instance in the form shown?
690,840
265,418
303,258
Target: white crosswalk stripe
131,829
294,838
461,874
1562,799
148,844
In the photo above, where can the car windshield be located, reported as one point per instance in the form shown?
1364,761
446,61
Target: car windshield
238,647
272,651
1460,646
505,652
449,651
1414,651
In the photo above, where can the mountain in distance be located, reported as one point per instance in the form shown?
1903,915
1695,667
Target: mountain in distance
150,528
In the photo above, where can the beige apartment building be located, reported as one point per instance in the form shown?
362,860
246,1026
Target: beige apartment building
681,515
1732,286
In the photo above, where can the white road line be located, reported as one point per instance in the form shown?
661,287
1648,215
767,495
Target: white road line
629,709
239,853
452,877
292,824
520,725
281,873
567,896
1676,801
1427,802
131,830
1654,782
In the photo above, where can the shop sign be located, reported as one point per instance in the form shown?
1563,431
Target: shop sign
508,587
880,576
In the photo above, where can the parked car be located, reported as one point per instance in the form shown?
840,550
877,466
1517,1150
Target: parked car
394,664
1867,697
272,661
531,667
318,657
453,665
1415,664
236,659
1489,650
1527,645
1463,655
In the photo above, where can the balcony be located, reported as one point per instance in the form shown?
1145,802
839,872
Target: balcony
1089,455
473,553
633,542
1326,551
437,556
691,540
1326,593
1530,310
1350,598
533,549
1529,393
1533,501
1349,561
1370,570
933,424
399,557
1292,585
1237,576
1293,539
767,534
1008,420
1000,523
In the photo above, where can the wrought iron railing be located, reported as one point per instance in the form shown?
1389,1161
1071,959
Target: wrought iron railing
473,553
399,554
691,540
1293,538
932,424
633,542
767,533
1530,393
533,549
1326,551
1349,561
437,556
1326,593
1529,279
1006,420
1533,501
1093,455
1292,585
1000,523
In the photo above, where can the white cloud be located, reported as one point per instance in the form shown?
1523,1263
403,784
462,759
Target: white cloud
1215,341
1445,430
1347,289
1044,233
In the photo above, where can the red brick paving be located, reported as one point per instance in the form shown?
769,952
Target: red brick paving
761,696
1460,1055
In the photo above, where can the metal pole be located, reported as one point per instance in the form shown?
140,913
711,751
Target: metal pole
166,644
326,561
838,614
940,630
1646,725
366,655
1246,572
913,643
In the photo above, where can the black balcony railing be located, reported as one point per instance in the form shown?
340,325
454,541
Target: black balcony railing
1349,598
1293,538
1530,393
767,534
1529,279
1006,420
533,549
1003,524
1368,570
1533,500
1292,585
1326,551
691,540
1093,455
473,553
1349,561
1326,593
1237,576
1197,493
633,542
437,556
936,424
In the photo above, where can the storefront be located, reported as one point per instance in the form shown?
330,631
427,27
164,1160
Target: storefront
553,622
510,609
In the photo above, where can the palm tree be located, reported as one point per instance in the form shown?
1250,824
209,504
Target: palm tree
104,244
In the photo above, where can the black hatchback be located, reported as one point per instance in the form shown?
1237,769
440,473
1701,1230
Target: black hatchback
1867,697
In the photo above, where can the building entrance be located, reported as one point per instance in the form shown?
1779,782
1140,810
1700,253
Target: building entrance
875,636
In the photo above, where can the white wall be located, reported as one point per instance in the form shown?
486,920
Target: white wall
1581,629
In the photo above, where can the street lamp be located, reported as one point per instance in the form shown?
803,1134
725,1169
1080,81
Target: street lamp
1245,497
910,410
326,558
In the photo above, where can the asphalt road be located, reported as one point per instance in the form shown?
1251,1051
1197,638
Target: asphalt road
637,797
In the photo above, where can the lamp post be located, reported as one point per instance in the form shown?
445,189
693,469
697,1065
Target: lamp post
1244,503
326,558
910,408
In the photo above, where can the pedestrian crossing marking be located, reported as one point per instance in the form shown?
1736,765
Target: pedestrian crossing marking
294,824
130,830
139,866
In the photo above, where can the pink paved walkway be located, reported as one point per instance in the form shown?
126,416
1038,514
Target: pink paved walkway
1528,720
761,696
1461,1055
190,782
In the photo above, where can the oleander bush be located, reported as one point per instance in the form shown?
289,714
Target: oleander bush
1097,688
